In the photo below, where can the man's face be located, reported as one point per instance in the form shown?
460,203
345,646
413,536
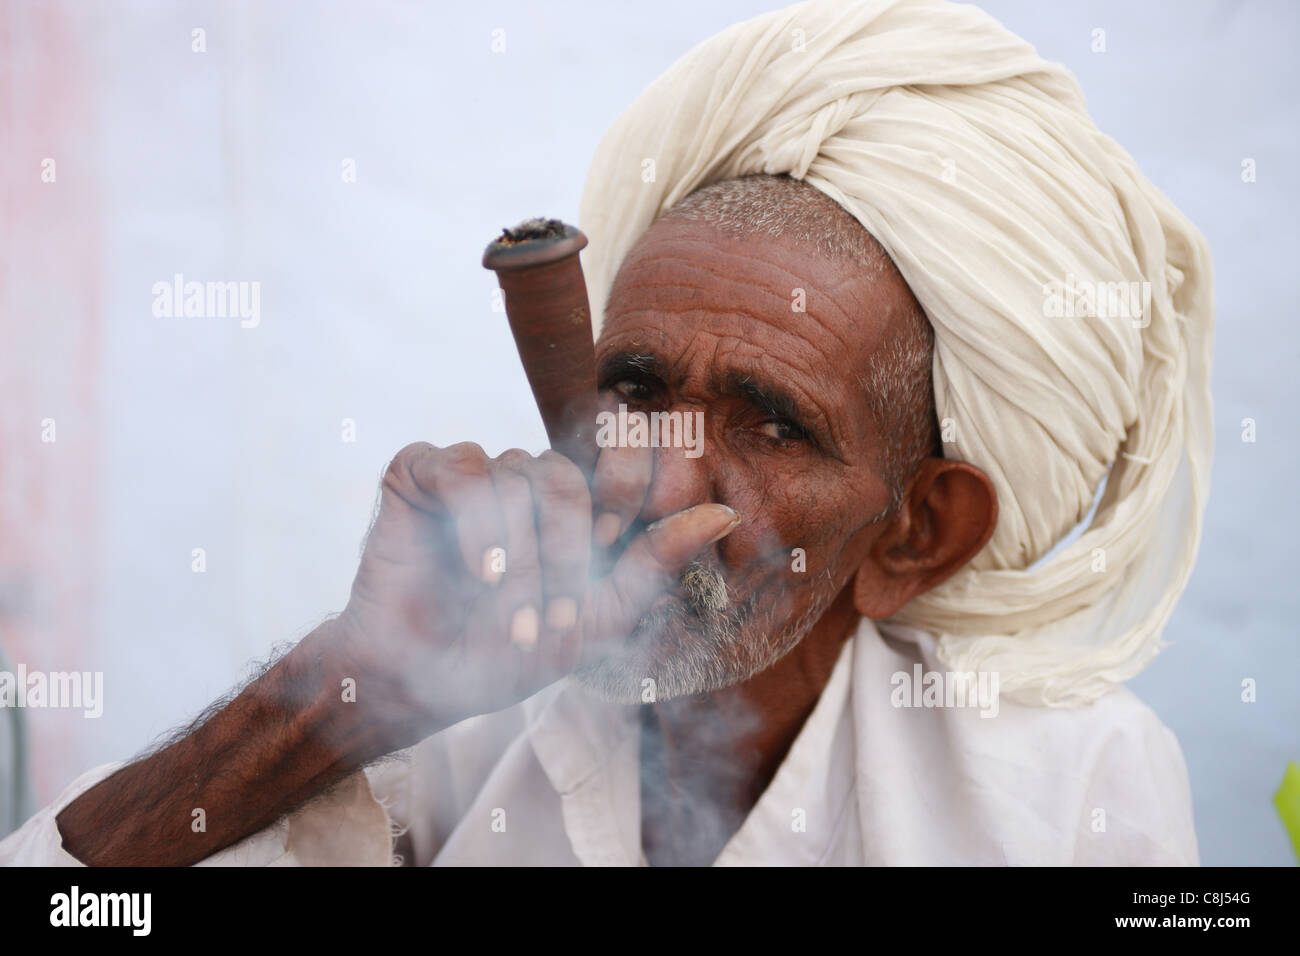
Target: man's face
769,341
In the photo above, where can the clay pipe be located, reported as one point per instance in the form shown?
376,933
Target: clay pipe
537,266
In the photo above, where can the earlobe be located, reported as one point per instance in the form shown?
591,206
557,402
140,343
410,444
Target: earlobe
876,596
878,588
946,518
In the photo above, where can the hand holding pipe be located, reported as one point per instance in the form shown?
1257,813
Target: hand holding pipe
546,302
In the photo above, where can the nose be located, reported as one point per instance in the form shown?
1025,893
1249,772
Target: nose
679,482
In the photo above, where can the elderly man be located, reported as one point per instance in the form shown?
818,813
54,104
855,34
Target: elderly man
932,319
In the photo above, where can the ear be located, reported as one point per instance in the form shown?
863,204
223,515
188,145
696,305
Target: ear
948,514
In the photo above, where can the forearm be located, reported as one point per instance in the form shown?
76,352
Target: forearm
284,739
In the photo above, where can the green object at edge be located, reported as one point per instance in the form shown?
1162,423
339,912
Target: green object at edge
1287,801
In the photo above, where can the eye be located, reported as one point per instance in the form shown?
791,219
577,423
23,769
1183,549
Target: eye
633,390
780,430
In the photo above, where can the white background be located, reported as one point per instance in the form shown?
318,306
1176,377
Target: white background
176,434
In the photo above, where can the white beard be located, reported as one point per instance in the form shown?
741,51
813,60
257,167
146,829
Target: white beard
696,645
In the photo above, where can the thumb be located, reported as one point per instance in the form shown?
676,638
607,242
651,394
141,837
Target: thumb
648,568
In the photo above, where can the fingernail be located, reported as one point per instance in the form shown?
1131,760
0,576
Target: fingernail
561,614
493,564
729,514
607,526
523,627
727,528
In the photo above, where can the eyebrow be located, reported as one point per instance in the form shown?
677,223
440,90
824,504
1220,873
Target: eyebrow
621,365
771,399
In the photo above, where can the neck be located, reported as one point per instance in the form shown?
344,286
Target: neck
706,759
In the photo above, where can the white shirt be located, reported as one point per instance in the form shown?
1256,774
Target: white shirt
555,781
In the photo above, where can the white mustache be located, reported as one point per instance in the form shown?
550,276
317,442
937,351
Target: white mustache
704,589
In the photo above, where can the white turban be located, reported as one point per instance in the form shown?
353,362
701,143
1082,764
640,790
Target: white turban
975,164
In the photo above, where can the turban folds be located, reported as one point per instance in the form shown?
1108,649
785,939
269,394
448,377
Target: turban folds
1016,223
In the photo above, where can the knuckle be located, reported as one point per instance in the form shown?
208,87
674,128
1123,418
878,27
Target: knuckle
399,475
407,457
464,456
416,449
565,550
559,478
396,473
515,458
525,566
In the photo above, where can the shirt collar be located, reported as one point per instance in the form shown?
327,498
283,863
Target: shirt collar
590,752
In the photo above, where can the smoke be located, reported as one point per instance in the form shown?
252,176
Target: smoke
695,641
699,764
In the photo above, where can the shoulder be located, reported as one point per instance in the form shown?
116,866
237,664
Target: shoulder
1104,783
1121,768
1139,796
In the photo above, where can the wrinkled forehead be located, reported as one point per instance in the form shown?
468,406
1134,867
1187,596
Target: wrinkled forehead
684,278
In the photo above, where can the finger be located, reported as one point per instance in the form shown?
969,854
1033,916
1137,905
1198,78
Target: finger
649,568
562,507
461,478
618,490
521,585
